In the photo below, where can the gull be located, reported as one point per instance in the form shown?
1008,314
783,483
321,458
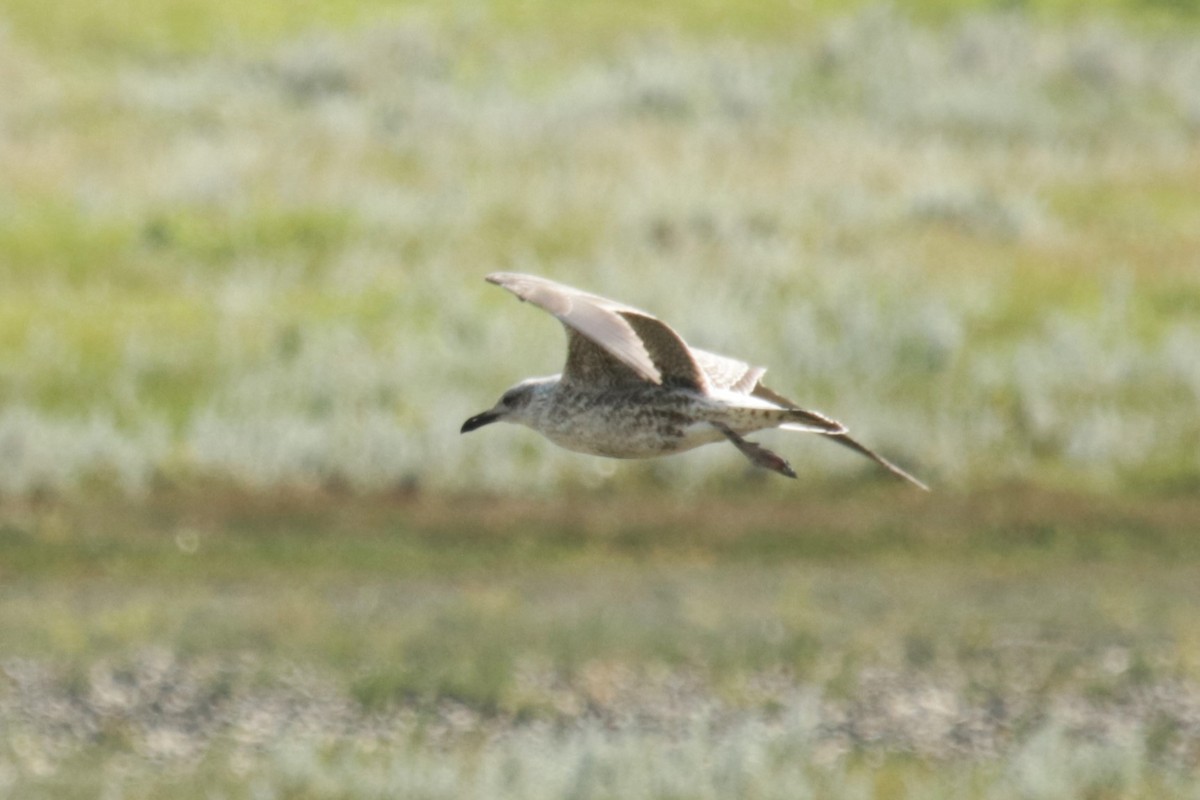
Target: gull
632,388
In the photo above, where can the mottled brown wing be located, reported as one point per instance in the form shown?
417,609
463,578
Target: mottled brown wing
590,364
724,372
667,350
624,340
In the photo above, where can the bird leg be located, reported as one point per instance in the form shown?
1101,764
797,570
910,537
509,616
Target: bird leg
758,455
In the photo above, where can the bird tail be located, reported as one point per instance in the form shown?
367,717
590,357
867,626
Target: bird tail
797,419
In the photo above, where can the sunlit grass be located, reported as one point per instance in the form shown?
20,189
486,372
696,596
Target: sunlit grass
148,29
245,553
982,263
1003,640
300,574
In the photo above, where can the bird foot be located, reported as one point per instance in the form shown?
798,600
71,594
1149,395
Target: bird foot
758,455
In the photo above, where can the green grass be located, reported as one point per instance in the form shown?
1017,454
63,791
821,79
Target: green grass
181,27
698,584
395,612
263,263
245,553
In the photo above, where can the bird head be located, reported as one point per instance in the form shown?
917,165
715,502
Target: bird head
515,405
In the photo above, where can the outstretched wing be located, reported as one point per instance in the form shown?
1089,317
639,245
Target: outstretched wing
728,373
608,342
845,441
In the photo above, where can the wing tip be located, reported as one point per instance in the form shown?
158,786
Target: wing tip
860,448
510,281
915,481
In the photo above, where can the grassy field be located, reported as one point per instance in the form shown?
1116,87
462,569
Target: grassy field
974,243
875,644
244,552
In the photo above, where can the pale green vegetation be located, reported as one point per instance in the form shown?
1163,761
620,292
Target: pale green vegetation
221,646
244,552
976,244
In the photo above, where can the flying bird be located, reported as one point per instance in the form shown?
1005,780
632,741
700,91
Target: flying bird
632,388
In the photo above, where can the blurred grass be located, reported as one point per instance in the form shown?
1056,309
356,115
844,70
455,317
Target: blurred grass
400,596
241,321
524,615
179,27
256,255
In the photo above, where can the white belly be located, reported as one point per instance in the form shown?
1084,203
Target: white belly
632,442
658,424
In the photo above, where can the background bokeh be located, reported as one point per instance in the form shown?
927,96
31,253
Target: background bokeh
245,552
256,255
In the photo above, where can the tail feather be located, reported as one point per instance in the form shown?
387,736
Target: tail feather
810,422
